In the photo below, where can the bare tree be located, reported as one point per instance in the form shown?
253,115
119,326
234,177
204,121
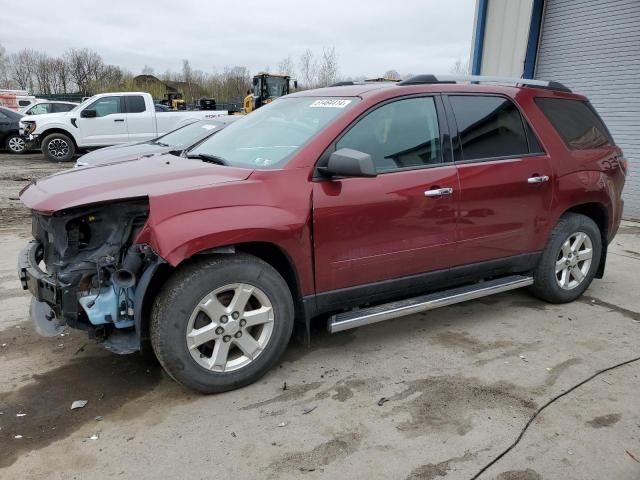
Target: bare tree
460,67
147,70
85,67
42,71
4,69
392,75
328,70
60,78
287,67
22,68
308,69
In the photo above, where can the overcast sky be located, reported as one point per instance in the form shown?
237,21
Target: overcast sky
371,36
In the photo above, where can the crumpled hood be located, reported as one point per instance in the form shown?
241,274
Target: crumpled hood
147,177
121,153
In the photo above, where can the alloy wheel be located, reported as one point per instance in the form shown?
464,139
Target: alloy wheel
58,148
574,260
230,327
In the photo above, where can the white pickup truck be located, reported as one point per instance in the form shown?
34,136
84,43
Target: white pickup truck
102,120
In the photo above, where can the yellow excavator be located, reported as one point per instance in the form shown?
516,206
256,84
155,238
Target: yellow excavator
266,88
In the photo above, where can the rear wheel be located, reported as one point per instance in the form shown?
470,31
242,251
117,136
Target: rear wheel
569,261
58,147
15,144
222,323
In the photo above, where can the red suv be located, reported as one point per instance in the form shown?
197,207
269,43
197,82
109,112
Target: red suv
359,203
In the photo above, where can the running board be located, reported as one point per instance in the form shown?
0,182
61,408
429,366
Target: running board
387,311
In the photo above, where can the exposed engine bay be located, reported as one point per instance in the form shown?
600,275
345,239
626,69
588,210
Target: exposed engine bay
84,266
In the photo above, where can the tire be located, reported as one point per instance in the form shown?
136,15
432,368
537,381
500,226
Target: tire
565,285
195,300
58,147
15,144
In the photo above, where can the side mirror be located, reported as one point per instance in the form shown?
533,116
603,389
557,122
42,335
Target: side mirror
347,162
88,113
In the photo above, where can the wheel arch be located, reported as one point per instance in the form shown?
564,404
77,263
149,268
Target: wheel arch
268,252
52,130
599,213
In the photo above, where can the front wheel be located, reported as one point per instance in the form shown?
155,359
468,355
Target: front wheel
58,147
222,323
569,261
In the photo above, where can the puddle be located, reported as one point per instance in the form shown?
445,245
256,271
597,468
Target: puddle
108,382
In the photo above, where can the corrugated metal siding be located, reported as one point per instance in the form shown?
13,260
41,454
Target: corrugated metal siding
593,46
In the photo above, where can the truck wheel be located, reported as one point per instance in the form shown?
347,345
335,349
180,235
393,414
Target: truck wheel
58,147
222,322
15,144
569,261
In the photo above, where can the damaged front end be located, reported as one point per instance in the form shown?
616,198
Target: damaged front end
85,270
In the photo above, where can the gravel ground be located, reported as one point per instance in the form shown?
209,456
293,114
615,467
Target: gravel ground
423,397
16,171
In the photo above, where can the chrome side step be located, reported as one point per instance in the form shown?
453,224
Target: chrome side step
387,311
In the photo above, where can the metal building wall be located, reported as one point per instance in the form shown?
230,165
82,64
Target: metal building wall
593,46
505,37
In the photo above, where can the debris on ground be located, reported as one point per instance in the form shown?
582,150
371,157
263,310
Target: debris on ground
634,458
523,358
21,414
93,437
20,436
81,349
99,418
79,404
284,386
382,401
309,409
283,424
233,434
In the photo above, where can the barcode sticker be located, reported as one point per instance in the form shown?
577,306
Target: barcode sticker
330,103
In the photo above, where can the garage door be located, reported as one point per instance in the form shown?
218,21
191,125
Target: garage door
593,47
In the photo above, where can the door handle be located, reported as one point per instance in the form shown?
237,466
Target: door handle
539,179
119,120
436,192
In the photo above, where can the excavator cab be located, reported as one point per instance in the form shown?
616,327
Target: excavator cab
267,87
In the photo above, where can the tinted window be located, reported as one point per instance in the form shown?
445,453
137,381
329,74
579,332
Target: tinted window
488,127
106,106
3,116
134,104
62,107
24,103
398,135
576,122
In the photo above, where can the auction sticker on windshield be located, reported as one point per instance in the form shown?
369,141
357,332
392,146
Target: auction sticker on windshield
331,103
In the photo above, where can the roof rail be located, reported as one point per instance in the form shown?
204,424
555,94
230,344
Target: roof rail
430,78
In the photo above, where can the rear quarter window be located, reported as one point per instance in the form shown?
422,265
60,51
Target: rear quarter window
576,122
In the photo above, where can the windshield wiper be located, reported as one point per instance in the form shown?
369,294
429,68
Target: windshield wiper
161,144
208,158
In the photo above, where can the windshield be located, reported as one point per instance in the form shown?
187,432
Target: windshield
188,135
269,136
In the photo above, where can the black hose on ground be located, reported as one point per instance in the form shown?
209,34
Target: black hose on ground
517,440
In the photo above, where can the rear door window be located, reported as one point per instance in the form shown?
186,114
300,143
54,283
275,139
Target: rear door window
40,108
62,107
490,127
576,121
134,104
398,135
